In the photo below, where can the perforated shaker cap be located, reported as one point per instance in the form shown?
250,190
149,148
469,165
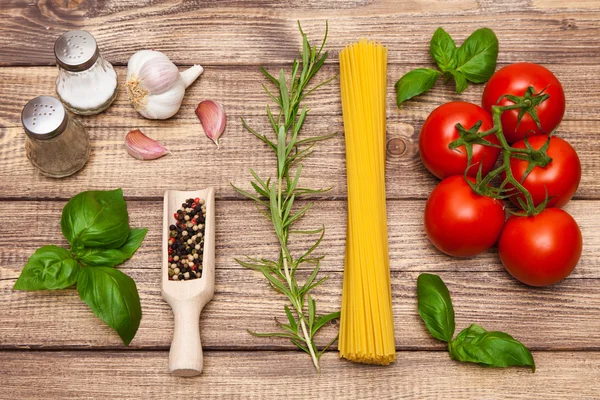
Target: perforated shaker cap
44,118
76,50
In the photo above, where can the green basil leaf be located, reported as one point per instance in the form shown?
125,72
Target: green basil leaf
113,297
99,257
460,79
50,267
414,83
477,56
461,349
443,50
435,307
96,219
490,349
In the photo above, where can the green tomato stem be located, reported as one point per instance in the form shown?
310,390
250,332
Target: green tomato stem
508,153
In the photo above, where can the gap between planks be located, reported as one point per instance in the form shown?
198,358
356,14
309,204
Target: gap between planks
264,349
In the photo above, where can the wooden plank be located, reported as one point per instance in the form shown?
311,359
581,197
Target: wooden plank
564,316
238,34
110,166
239,90
241,231
266,375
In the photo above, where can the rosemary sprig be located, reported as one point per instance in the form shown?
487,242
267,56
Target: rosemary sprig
275,200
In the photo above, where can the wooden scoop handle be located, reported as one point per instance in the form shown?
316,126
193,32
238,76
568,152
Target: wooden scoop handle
185,357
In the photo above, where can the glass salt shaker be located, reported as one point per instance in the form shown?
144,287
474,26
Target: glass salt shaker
57,144
86,82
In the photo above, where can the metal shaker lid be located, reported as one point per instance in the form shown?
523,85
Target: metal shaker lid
44,117
76,50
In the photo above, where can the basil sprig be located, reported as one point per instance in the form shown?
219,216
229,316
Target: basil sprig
473,344
96,224
473,61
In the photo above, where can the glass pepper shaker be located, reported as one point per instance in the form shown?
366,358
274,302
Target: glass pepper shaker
86,82
56,144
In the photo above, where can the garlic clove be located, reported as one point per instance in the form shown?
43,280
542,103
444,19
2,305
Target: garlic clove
165,105
158,75
137,60
213,119
142,147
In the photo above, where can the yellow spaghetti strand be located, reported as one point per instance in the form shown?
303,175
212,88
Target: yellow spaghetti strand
366,326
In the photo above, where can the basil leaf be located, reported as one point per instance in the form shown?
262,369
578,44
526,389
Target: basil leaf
477,56
460,348
414,83
460,79
50,267
113,297
435,307
443,50
99,257
96,219
490,349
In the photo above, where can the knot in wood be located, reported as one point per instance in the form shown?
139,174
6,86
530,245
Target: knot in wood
567,24
395,147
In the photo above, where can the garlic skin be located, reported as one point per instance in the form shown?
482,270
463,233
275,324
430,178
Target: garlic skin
213,119
154,84
142,147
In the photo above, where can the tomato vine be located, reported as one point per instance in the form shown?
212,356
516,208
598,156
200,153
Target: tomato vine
535,157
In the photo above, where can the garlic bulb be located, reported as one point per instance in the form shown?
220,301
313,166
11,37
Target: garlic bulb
154,84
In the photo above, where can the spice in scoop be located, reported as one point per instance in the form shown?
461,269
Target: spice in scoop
186,241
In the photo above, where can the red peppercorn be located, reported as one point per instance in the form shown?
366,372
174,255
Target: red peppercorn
194,221
197,200
170,251
170,259
194,205
172,240
176,215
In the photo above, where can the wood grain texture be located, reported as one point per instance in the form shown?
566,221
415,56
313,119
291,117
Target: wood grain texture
239,90
269,375
238,32
51,345
563,316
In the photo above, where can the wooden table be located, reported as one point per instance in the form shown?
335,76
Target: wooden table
52,346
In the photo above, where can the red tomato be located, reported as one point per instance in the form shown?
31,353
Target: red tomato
439,131
460,222
541,250
514,79
561,177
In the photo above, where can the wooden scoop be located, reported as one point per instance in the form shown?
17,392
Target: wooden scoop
187,298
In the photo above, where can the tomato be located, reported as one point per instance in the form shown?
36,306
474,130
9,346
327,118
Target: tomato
514,79
460,222
439,131
541,250
560,177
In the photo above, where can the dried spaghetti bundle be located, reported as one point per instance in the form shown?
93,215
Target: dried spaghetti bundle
367,326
